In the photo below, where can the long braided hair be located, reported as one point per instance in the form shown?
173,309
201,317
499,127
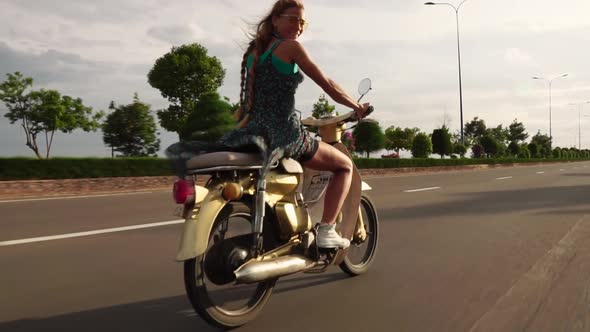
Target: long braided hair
259,41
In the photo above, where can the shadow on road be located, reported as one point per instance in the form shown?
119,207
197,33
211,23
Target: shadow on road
577,174
305,281
166,314
548,200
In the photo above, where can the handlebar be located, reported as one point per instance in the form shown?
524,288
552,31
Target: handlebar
348,117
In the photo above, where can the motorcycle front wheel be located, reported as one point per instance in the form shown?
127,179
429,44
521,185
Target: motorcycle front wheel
360,255
214,294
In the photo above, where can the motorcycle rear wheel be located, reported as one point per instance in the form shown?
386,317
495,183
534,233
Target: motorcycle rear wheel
209,300
360,256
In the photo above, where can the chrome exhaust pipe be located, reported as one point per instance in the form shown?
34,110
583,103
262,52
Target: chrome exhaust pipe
257,271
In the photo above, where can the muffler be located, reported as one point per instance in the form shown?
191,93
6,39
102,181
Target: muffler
257,271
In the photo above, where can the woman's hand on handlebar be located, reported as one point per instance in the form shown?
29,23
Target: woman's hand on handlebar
361,110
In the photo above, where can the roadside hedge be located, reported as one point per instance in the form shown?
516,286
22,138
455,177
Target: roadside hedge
73,168
430,162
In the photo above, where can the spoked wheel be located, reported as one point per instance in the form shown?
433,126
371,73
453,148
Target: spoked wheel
361,254
209,279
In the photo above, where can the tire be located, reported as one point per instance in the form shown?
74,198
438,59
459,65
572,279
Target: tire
367,249
202,292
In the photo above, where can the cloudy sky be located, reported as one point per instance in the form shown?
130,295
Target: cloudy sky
102,51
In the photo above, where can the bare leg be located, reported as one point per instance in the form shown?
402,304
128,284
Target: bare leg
328,158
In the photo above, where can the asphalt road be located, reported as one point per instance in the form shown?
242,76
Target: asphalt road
493,250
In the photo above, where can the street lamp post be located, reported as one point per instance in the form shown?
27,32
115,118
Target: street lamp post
550,81
579,121
458,57
579,131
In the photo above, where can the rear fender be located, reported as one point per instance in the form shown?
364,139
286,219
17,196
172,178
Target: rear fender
198,224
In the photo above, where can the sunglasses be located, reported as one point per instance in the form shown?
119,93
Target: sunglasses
296,19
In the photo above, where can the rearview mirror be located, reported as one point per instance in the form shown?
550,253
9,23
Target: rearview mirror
364,86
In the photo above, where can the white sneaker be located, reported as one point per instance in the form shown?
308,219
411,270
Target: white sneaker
329,238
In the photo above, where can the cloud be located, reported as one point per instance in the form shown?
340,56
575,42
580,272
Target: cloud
385,5
51,66
176,34
515,56
86,11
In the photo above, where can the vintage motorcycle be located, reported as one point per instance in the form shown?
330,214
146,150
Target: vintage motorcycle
251,223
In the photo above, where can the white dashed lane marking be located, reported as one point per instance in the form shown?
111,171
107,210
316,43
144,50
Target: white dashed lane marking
88,233
421,189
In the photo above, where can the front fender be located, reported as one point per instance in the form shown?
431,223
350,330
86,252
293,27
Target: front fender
197,227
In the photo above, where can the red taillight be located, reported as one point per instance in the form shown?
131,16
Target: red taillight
183,191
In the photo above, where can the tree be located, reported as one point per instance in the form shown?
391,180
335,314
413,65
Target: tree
514,148
397,138
534,149
131,129
183,76
211,119
44,111
441,142
421,146
474,130
544,144
500,134
446,120
477,151
460,149
516,132
490,145
368,136
321,109
410,135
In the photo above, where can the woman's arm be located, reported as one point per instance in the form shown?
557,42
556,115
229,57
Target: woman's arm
337,93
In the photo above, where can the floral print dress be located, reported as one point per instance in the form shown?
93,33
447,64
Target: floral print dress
273,117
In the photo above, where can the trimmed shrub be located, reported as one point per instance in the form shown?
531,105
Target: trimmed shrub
490,146
524,153
421,146
567,153
441,142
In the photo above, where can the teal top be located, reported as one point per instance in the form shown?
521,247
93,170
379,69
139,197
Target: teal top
280,65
